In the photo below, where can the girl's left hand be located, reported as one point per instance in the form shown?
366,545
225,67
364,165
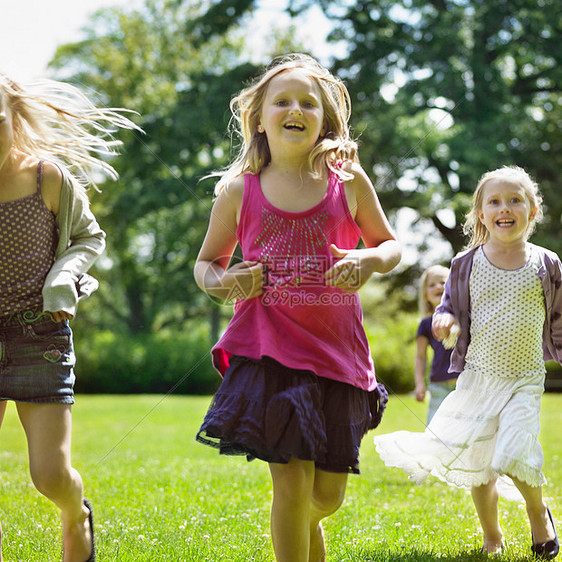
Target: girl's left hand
61,315
347,273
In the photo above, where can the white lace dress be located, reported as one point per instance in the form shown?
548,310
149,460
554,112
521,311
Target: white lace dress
488,426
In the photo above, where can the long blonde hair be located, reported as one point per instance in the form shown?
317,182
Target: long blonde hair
473,226
55,121
335,146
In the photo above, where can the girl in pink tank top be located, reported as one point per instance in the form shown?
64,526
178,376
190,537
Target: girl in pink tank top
49,240
299,388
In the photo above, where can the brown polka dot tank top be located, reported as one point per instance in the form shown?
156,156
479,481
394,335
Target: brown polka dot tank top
28,240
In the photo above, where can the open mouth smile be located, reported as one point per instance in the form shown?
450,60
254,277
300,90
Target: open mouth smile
505,222
294,126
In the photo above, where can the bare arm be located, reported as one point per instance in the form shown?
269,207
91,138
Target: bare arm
51,186
382,251
212,272
420,367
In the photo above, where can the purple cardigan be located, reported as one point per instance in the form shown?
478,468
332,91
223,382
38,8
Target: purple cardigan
456,301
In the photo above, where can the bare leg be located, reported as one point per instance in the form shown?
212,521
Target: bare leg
541,528
48,431
290,512
485,499
327,496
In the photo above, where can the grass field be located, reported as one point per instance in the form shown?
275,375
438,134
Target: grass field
159,496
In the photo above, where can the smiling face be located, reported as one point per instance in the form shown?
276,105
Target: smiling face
435,285
292,114
506,211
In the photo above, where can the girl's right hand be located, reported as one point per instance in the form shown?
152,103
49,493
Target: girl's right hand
61,315
445,328
244,280
420,392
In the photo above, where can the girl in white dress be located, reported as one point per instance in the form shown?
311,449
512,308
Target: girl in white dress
502,312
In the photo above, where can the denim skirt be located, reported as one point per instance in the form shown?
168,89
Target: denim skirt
268,411
36,359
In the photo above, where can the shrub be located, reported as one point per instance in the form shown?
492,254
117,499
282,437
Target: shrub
111,362
117,363
393,346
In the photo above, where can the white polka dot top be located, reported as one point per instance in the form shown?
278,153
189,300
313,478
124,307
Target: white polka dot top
507,319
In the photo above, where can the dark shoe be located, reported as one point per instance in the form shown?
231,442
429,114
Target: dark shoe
91,521
547,550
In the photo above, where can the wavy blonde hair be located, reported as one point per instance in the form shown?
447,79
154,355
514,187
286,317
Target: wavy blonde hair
333,147
473,226
55,121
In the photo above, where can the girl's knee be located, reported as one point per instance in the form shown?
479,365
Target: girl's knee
327,501
328,496
51,481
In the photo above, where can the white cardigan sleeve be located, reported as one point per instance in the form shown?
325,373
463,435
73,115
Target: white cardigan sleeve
81,242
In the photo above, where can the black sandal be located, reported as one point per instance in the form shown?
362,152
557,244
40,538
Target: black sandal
549,549
92,557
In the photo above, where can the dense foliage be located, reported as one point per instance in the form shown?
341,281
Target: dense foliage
442,91
445,90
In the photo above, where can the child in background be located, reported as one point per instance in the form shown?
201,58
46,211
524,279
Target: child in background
441,382
299,388
503,299
48,240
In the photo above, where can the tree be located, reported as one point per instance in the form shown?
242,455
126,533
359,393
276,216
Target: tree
442,91
157,212
445,90
177,64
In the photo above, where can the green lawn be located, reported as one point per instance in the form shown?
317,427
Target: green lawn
158,495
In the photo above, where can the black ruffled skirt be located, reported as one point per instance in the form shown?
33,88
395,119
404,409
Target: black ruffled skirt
268,411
